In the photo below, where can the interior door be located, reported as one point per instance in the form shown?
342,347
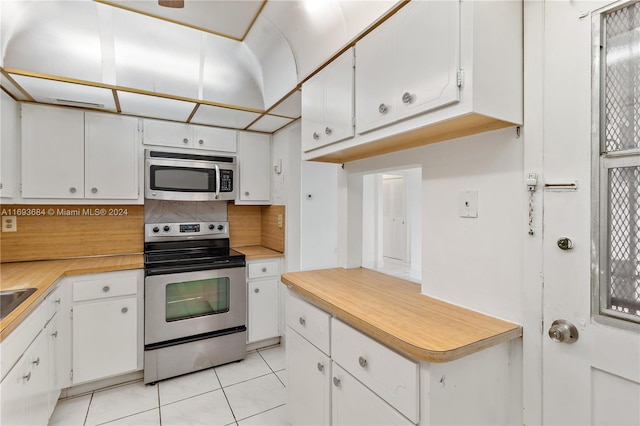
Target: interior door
596,379
394,218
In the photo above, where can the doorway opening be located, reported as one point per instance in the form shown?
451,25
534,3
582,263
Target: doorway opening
391,223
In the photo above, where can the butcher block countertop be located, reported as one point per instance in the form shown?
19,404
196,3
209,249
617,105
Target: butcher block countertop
258,252
42,274
394,312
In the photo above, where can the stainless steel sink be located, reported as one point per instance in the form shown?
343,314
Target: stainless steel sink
11,299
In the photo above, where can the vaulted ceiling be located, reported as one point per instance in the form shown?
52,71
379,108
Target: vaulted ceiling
236,64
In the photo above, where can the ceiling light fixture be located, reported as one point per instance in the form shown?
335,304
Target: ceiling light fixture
176,4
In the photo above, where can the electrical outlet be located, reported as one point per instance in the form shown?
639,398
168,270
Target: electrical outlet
9,224
280,221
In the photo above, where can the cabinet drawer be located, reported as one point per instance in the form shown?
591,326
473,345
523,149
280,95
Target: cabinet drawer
390,375
263,269
104,287
312,323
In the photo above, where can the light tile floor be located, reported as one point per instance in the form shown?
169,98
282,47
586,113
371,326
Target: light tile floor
249,392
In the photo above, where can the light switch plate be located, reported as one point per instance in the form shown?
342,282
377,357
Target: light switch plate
9,224
468,204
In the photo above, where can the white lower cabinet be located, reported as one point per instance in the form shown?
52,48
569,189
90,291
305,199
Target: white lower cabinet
263,313
309,386
354,404
105,326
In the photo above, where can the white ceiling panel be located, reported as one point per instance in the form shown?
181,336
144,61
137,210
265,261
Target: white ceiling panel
269,123
290,107
154,107
228,18
63,93
223,117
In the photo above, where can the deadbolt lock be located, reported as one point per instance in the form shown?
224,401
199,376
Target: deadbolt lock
565,243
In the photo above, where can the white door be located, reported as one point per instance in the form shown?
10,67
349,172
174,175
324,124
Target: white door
596,379
394,220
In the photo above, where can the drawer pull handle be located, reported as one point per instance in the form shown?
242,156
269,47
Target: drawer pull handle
201,142
302,321
27,377
264,269
36,362
58,301
320,367
257,290
124,310
336,382
363,362
316,136
407,98
106,288
382,109
185,140
54,334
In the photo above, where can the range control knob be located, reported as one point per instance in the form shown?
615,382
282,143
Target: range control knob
166,228
212,226
220,227
155,229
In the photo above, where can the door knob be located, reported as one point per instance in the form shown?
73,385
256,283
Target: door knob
562,331
565,243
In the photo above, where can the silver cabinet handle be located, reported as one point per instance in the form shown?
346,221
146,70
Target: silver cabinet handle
36,362
185,140
201,142
264,269
72,190
328,130
316,136
257,290
246,193
106,288
94,190
362,361
0,186
27,377
320,367
57,301
302,321
336,382
407,98
54,334
382,109
124,310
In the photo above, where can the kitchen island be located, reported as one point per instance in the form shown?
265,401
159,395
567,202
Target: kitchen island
377,351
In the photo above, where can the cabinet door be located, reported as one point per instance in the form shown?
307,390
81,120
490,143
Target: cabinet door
166,133
36,360
214,139
8,144
313,113
308,387
354,404
54,353
111,156
426,43
254,162
375,94
52,152
98,328
338,98
262,310
13,396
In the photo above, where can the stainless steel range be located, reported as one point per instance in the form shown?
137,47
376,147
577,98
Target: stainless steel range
195,299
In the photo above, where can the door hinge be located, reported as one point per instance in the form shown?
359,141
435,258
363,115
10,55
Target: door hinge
460,78
71,375
71,314
353,121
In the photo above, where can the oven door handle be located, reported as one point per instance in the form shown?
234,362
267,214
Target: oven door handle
217,181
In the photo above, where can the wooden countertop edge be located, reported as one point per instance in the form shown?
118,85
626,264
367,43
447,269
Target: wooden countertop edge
258,252
399,344
18,315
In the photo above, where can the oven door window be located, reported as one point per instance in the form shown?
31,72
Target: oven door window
183,179
190,299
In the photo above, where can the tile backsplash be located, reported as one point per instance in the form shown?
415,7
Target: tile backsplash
156,211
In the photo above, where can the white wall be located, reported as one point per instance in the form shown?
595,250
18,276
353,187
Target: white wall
476,263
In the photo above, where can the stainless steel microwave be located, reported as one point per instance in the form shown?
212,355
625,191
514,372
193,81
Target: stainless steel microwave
189,177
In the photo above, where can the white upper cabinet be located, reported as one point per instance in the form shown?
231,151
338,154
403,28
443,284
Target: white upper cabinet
52,152
408,65
8,143
72,155
434,71
327,104
254,164
111,156
181,135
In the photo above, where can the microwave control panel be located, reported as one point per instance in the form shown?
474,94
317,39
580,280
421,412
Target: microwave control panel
226,180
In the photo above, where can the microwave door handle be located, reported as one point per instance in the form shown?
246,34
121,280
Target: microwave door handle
217,181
